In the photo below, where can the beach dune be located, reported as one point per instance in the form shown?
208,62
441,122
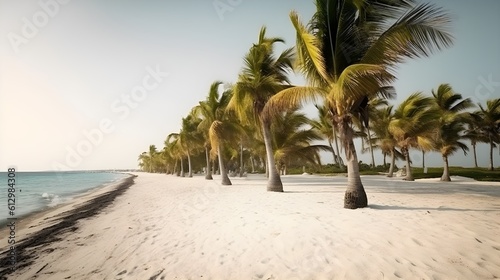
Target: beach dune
166,227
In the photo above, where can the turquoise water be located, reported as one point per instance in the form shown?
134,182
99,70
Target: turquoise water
35,191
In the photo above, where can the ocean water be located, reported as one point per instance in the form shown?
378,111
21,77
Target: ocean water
35,191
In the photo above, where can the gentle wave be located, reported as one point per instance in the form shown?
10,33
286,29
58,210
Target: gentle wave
37,191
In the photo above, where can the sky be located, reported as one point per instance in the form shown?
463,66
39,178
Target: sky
91,84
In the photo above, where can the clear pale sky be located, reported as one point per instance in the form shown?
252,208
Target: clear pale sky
91,84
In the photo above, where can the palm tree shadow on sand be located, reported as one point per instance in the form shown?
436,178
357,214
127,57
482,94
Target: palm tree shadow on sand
428,209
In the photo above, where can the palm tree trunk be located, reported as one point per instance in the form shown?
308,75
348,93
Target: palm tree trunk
252,163
274,183
335,160
265,167
423,159
385,162
371,147
190,172
222,168
264,163
355,195
393,162
475,155
491,156
241,159
182,168
446,170
208,171
337,146
175,168
409,175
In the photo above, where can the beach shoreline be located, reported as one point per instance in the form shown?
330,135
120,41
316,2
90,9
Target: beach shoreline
167,227
34,229
78,197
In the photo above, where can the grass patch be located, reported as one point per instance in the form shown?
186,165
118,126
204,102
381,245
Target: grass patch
479,174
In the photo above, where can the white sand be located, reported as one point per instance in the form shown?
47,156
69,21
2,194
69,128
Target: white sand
165,227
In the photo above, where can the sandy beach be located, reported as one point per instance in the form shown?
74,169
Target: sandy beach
166,227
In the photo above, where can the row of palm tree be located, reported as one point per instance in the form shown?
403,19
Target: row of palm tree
441,122
348,54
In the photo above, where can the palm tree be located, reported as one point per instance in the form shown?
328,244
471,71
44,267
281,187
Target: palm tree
144,164
171,151
414,125
292,141
346,54
246,137
147,159
190,138
208,109
223,129
489,124
176,149
262,76
370,116
167,159
451,107
474,135
324,125
384,138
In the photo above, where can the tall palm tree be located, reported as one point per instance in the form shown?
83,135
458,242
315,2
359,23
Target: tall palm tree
489,124
223,130
262,76
451,126
347,54
208,110
414,125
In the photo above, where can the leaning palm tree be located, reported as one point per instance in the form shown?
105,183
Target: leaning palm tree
451,126
489,124
262,76
207,110
414,125
222,131
347,54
